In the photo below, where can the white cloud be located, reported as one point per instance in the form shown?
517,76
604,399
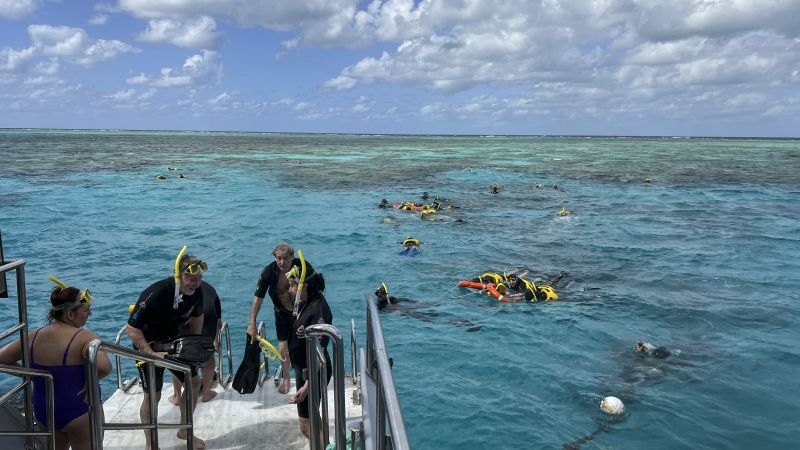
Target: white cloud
196,32
138,79
17,9
122,96
72,45
197,69
98,19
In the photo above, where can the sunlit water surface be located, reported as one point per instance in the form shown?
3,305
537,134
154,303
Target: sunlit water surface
703,260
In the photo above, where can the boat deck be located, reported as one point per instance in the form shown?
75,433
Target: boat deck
261,420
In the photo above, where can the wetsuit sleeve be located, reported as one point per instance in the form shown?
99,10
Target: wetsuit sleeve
264,281
143,308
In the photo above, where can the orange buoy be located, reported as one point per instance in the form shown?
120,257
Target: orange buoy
490,287
472,284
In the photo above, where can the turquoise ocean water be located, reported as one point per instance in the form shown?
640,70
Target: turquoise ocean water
703,260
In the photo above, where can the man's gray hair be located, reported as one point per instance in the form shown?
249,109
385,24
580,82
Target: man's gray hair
284,248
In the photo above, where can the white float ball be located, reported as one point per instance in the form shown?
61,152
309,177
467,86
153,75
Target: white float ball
612,405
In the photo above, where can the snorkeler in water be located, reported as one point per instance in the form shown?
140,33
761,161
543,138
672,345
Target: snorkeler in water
415,308
410,247
384,204
651,350
494,188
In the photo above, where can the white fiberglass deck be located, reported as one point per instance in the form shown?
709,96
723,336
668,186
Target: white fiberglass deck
261,420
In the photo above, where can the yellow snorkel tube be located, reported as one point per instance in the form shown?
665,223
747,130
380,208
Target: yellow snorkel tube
269,350
300,282
385,288
57,281
178,298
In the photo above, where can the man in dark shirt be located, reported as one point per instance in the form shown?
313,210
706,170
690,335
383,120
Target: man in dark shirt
158,314
273,282
212,323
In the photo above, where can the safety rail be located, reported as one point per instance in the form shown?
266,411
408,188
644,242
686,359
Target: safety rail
224,380
18,266
376,369
98,425
317,383
48,379
265,361
127,384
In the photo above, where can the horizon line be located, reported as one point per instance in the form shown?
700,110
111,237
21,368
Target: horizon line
402,134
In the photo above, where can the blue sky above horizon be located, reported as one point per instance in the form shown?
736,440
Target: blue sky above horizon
603,67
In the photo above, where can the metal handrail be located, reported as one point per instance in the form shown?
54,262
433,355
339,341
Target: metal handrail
312,331
18,265
353,349
224,381
126,385
379,368
265,376
48,379
98,425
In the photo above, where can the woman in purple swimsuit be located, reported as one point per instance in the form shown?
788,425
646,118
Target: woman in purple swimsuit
61,348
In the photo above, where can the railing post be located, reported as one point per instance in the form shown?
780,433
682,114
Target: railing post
93,391
330,331
22,304
312,378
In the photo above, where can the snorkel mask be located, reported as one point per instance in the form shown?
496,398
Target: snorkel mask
84,297
298,275
197,267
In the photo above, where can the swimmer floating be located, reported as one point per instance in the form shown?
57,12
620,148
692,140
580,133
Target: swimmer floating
411,247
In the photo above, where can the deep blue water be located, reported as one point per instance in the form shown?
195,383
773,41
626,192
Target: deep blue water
703,260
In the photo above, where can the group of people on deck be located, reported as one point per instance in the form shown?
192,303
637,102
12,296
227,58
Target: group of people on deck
166,310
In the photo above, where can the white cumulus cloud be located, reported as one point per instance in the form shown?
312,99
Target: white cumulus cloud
196,32
17,9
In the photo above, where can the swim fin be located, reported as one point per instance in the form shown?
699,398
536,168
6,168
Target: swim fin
246,377
191,349
405,251
414,253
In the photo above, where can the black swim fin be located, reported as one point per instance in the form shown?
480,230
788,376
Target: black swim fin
191,349
246,378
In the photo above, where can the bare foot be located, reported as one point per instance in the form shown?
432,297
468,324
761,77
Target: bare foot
175,399
284,388
198,443
209,395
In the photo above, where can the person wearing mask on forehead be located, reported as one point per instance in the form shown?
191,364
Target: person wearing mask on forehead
61,348
273,281
311,308
157,316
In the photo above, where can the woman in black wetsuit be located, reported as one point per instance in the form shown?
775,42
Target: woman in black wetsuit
312,309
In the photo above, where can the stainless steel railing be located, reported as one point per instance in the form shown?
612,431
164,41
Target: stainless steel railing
224,380
384,406
122,385
317,384
26,372
98,425
265,361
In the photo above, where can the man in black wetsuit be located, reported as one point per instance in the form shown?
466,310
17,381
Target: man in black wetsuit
157,316
212,323
273,281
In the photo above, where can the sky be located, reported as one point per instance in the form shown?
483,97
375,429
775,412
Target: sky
585,67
